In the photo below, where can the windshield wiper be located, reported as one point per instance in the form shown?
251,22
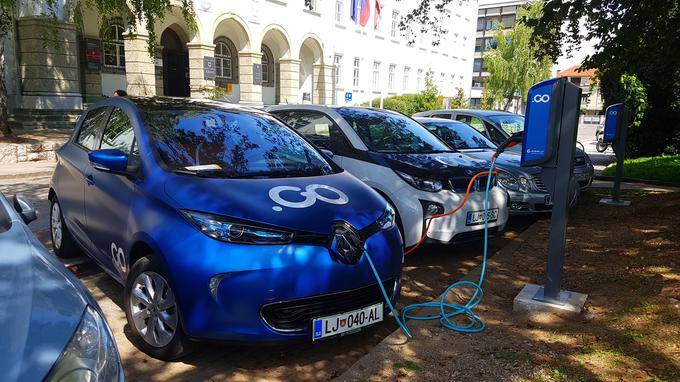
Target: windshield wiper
280,174
203,173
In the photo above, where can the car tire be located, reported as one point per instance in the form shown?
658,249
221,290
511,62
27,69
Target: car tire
63,244
601,146
142,308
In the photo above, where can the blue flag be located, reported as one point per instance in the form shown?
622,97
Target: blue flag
355,10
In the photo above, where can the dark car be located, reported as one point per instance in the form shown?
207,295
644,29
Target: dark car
51,329
499,125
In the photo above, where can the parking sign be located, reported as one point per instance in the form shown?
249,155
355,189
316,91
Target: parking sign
348,96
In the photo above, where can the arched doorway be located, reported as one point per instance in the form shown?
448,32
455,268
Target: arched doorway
175,65
275,47
311,67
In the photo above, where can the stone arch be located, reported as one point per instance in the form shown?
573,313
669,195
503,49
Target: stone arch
274,46
314,75
233,28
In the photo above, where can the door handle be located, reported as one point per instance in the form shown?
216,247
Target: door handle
89,180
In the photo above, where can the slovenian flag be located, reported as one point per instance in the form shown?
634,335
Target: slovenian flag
365,13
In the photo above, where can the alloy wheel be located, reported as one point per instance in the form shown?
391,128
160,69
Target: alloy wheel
153,308
55,225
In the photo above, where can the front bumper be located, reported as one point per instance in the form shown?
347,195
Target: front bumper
222,288
526,203
584,175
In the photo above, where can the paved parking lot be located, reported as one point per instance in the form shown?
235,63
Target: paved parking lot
426,273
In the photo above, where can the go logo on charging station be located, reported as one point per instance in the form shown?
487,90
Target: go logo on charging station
310,194
541,98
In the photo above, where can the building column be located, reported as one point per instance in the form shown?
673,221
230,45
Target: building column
139,66
250,94
322,82
49,74
289,80
200,86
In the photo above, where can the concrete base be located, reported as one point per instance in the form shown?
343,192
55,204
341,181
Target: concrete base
612,202
530,299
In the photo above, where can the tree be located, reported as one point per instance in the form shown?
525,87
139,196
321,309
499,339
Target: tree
138,12
635,53
513,63
459,101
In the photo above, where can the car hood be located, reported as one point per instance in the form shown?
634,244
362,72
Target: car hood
254,200
435,165
508,161
40,306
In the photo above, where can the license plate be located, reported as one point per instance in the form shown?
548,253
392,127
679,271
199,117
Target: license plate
548,200
343,323
477,217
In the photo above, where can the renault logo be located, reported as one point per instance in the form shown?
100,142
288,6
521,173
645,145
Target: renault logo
346,243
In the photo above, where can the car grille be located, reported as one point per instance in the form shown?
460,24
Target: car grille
296,316
460,184
538,181
579,161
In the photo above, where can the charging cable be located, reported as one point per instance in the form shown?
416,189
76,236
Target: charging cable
447,311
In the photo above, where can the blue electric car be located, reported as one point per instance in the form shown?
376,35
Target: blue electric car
222,223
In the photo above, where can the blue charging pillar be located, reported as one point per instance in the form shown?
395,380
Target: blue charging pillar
616,132
549,141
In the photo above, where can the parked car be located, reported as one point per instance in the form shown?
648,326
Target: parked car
51,329
528,194
222,223
499,125
409,166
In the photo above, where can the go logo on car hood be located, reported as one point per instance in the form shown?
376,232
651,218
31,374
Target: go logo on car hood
310,194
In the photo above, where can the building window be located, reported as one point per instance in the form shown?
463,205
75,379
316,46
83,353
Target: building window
339,5
492,24
475,102
337,62
395,24
226,62
479,43
419,79
376,74
477,65
406,72
312,5
114,46
508,21
441,82
355,79
390,76
267,67
480,24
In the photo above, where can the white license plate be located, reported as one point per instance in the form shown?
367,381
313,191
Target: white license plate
548,200
477,217
346,322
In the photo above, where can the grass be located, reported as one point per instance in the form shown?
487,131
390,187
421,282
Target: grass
662,169
407,366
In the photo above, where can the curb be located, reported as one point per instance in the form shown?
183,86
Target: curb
634,180
26,175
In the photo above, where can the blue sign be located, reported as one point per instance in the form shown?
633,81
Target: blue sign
537,138
348,96
612,121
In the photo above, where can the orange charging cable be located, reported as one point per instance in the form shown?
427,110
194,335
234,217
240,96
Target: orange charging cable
453,211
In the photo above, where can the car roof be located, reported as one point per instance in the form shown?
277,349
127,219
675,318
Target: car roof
328,107
436,119
162,103
477,112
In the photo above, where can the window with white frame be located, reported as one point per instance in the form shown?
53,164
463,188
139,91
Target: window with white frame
114,46
390,76
355,79
267,67
226,62
419,79
376,74
406,73
339,6
395,24
337,62
312,5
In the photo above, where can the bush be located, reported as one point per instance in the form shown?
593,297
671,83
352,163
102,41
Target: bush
661,168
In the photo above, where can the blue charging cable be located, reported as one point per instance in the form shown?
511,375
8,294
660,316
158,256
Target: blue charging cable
448,311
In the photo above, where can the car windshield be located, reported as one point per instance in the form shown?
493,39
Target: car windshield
458,135
509,123
208,141
389,132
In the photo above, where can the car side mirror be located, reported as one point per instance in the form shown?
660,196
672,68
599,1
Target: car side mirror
328,153
24,208
109,160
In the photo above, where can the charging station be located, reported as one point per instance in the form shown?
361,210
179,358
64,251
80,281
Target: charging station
549,141
616,132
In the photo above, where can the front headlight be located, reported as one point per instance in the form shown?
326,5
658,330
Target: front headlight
508,181
220,228
386,220
91,355
523,184
424,184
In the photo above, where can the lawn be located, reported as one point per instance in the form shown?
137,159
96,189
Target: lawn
661,169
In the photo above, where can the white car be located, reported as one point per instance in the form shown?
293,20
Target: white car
407,164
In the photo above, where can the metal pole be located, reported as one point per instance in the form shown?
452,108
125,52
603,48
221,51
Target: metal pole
560,179
620,151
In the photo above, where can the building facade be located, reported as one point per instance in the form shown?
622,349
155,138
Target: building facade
592,104
490,15
256,52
